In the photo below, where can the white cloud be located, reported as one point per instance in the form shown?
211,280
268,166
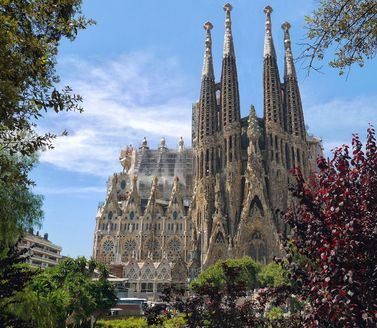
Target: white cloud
125,99
337,120
139,95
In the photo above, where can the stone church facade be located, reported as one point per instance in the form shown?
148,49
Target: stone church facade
222,198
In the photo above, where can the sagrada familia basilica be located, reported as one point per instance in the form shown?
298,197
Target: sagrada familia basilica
172,212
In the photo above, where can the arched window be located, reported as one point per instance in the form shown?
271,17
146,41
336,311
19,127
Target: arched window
256,205
219,238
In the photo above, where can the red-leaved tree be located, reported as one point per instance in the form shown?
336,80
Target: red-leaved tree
334,226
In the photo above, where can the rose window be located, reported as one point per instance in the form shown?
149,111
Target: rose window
153,245
130,245
108,246
175,246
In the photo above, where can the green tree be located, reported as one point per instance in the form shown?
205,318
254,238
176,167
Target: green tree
215,276
272,275
346,27
30,33
14,276
66,295
20,209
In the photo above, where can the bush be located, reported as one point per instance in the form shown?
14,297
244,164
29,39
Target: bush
123,323
275,313
177,322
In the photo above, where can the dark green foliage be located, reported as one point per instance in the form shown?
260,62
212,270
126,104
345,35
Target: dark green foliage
66,295
14,275
20,209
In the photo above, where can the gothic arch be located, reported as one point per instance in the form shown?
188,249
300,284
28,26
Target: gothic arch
256,204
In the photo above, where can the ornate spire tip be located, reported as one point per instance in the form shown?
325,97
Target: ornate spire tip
267,10
286,26
208,26
228,7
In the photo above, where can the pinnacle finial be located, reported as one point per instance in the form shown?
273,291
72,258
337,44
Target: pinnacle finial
267,10
228,7
208,26
252,111
286,26
269,49
287,39
289,64
228,38
208,65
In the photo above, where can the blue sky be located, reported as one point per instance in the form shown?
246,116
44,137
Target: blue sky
139,71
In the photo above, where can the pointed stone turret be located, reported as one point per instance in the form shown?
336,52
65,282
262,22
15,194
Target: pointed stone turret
273,106
295,122
208,62
206,145
162,144
228,38
144,144
231,125
207,112
230,100
293,107
219,234
269,49
150,209
207,101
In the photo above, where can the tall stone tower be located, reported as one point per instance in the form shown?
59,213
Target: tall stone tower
293,107
206,150
230,127
275,125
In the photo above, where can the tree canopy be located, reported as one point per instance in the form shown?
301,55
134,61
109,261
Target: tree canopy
30,33
14,276
20,208
215,277
66,295
348,28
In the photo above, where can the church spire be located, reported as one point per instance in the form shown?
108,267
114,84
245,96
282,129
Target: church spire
207,101
231,126
293,106
273,104
289,69
230,100
228,38
208,63
269,49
